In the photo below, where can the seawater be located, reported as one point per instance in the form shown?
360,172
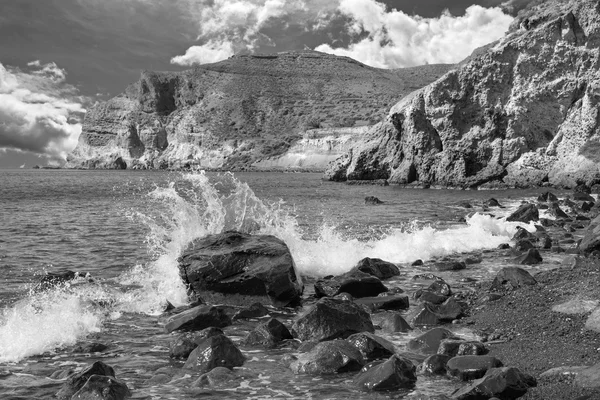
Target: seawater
123,231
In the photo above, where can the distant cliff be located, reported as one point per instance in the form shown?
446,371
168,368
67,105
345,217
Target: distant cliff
247,111
521,112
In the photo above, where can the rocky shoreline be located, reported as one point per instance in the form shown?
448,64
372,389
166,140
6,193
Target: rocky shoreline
521,335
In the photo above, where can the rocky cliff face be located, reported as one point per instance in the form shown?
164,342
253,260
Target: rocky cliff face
522,113
238,112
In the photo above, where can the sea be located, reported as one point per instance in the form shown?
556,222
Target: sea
122,232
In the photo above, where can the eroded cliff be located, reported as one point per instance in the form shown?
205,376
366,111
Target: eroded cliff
242,112
522,113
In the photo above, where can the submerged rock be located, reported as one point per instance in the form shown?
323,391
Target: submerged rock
377,267
330,319
185,343
215,351
329,357
503,383
235,267
198,318
372,200
356,283
255,310
429,342
397,302
393,374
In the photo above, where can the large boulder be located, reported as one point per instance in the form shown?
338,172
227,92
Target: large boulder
334,356
356,283
393,374
330,319
215,351
234,267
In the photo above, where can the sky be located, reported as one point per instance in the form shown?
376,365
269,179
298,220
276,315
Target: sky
59,57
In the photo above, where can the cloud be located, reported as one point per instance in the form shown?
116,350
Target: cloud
210,52
393,39
39,112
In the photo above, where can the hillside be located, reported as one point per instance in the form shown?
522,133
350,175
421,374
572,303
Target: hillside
522,112
240,111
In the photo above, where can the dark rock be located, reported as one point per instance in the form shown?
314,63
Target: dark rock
185,343
526,213
523,245
515,277
431,315
491,202
429,342
392,374
545,242
440,287
471,367
417,263
582,188
252,267
330,357
465,204
198,318
268,333
372,200
473,260
52,279
504,246
91,347
587,206
215,351
583,197
356,283
377,267
557,212
372,347
344,296
547,197
397,302
503,383
391,322
434,364
531,257
306,346
523,234
102,387
428,296
256,310
448,266
330,319
426,317
453,348
77,381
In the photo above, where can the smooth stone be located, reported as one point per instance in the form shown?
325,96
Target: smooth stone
356,283
393,374
503,383
372,347
429,342
526,213
255,310
471,367
378,268
576,306
329,319
268,333
434,364
329,357
215,351
397,302
185,343
102,387
453,348
390,322
77,381
198,318
513,278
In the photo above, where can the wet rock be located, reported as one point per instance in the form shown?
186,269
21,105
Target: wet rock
453,348
417,263
329,319
473,260
307,346
545,242
587,206
503,383
526,213
52,279
583,197
198,318
356,283
523,245
434,364
448,266
547,197
185,343
523,234
77,381
215,351
90,347
431,314
491,202
391,322
218,376
429,342
268,333
440,287
372,347
397,302
512,278
234,267
557,212
377,267
255,310
372,200
531,257
344,296
465,204
428,296
58,375
334,356
102,387
392,374
504,246
471,367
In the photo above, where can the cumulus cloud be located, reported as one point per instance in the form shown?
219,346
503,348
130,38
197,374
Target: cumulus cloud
39,112
372,33
393,39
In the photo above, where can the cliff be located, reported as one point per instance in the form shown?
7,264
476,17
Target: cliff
247,111
521,112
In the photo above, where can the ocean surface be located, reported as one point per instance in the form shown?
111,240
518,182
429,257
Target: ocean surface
123,231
